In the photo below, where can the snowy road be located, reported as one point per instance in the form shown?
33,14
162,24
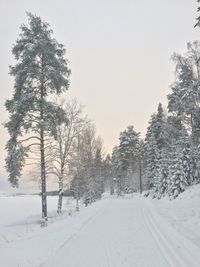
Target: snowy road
116,232
125,233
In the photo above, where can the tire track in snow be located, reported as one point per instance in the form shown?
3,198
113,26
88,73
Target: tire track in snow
167,246
70,238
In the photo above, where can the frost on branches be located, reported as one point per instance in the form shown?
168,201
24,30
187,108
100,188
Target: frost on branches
40,71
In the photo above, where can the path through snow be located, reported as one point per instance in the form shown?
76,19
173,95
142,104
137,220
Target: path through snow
113,232
126,233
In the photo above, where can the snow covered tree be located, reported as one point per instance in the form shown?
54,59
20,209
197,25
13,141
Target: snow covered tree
184,101
198,18
179,163
115,170
40,71
107,173
87,164
128,152
154,146
177,181
62,149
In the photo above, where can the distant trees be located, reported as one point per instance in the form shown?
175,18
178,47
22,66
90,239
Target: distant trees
125,160
170,155
87,167
41,71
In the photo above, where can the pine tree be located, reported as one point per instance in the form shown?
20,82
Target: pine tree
40,71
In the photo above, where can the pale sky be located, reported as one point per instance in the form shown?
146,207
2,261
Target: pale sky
119,52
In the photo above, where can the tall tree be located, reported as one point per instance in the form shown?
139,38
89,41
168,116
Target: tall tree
184,101
40,71
154,148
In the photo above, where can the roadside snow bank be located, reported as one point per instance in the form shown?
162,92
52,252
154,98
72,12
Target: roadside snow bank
183,213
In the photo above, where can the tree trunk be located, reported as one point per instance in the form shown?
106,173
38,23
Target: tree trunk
77,202
60,196
140,174
42,154
43,177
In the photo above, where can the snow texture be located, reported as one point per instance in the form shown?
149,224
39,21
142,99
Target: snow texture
128,231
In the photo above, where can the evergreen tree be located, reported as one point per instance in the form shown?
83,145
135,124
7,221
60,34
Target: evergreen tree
178,151
40,71
155,143
128,150
184,101
179,168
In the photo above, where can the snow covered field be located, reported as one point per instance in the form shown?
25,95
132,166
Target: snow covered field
113,232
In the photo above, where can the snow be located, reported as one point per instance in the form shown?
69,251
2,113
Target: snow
183,213
127,231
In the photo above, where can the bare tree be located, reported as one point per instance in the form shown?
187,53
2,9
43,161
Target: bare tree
63,148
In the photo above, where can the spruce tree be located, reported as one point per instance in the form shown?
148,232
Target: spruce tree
177,181
155,143
40,71
129,149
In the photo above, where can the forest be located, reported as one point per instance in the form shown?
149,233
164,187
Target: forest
54,137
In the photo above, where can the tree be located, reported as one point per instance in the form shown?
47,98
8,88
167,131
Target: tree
87,165
107,173
198,18
179,164
155,143
40,71
184,101
62,148
115,170
128,150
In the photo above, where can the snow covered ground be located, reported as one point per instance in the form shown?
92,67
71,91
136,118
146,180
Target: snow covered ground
183,213
113,232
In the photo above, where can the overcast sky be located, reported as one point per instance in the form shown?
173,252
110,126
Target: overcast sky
119,52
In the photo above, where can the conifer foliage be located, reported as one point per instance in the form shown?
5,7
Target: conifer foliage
40,71
172,140
125,160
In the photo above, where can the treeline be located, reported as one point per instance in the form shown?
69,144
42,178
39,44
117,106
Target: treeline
56,138
51,136
170,154
168,159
